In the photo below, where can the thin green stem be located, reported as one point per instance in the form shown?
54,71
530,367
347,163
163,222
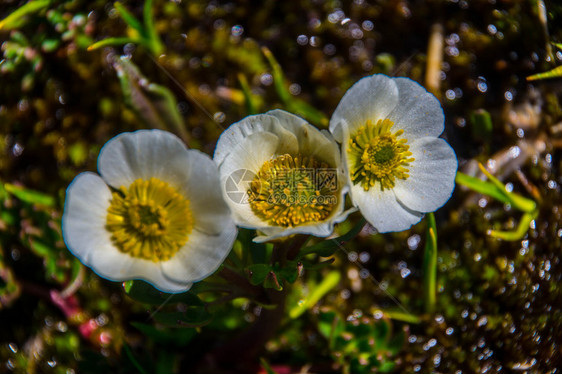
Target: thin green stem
430,265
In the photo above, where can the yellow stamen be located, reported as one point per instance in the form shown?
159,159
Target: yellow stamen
376,155
290,191
149,220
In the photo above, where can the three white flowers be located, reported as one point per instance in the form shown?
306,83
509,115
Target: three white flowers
166,214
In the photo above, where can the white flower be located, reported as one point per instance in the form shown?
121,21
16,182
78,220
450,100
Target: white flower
397,167
156,213
281,176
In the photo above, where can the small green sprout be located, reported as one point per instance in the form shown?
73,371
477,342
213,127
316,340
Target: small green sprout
496,189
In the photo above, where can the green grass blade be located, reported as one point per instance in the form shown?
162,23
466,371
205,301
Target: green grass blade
252,105
430,265
111,42
480,186
519,232
29,196
14,19
518,202
554,73
129,18
327,284
150,30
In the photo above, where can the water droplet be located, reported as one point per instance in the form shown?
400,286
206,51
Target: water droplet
378,314
336,16
414,241
237,30
302,39
352,256
364,274
329,49
368,26
314,41
266,79
13,347
482,203
404,272
482,87
482,321
520,133
364,257
449,331
295,89
219,117
412,338
450,94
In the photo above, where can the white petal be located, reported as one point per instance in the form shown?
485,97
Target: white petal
201,256
85,212
382,210
418,112
83,225
141,154
197,178
239,169
321,230
432,175
114,265
371,98
238,132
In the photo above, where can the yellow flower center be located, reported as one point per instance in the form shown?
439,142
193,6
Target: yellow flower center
376,155
290,191
149,220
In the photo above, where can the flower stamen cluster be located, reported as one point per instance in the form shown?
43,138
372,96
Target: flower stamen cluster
285,192
149,220
376,155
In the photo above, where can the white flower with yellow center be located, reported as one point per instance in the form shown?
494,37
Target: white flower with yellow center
156,213
281,176
396,166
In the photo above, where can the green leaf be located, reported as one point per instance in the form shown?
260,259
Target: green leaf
258,273
29,196
15,19
430,264
144,293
